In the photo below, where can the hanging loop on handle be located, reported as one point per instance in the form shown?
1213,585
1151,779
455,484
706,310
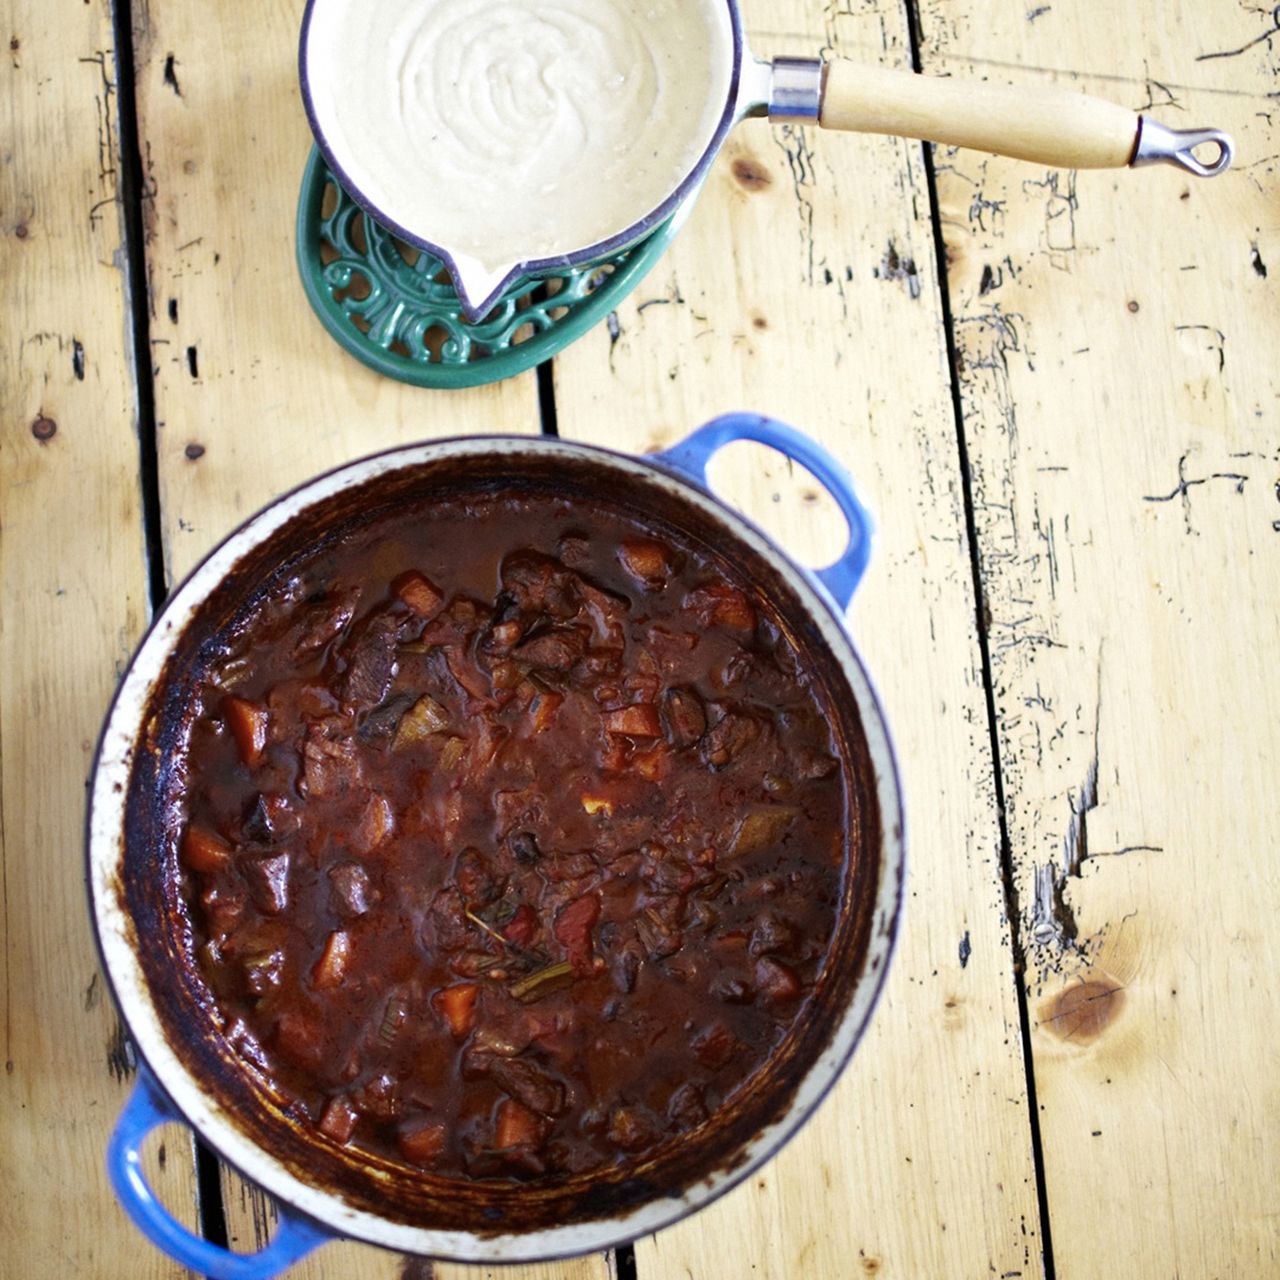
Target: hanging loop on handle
147,1109
1158,144
691,456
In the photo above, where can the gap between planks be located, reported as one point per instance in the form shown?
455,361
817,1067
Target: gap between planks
211,1206
1007,876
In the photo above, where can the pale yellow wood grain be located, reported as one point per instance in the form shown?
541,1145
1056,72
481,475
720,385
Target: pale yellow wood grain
1118,337
252,1219
805,286
1030,121
73,593
275,400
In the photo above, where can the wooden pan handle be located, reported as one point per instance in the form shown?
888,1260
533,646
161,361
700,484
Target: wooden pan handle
1047,126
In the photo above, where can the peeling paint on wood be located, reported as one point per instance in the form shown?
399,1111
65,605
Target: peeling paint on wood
73,599
859,362
1110,332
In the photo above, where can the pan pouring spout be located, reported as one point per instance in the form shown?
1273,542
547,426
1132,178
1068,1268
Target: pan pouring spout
480,286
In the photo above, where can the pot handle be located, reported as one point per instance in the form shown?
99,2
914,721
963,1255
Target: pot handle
1043,124
692,454
147,1109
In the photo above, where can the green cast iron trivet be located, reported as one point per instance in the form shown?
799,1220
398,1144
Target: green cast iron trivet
395,309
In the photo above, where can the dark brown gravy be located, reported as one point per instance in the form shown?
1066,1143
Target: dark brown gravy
514,837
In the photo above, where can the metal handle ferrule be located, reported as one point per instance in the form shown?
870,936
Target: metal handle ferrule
1158,144
795,90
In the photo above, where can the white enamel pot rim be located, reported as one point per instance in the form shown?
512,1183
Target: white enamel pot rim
106,848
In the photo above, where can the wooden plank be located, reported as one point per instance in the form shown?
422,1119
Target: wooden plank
269,399
73,583
1117,336
805,286
252,1217
267,395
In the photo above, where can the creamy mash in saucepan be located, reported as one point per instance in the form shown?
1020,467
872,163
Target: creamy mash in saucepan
509,130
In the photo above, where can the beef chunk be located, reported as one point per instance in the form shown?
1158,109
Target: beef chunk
633,1128
771,935
553,650
729,737
268,882
539,584
371,665
350,888
330,759
524,1079
476,878
271,817
320,622
687,1107
684,716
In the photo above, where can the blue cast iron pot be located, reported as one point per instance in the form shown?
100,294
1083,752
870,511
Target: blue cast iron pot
188,1070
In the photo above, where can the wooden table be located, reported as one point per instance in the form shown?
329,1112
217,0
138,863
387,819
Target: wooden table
1058,391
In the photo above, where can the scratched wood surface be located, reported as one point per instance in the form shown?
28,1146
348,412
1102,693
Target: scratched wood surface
252,396
73,587
245,377
805,286
1117,339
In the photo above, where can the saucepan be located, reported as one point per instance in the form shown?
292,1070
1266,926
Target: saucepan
631,182
189,1072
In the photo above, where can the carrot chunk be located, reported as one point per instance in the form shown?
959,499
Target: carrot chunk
522,926
718,602
248,724
422,1143
517,1126
204,851
648,562
300,1041
457,1005
338,1120
545,706
775,981
419,594
654,764
639,721
573,930
331,968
